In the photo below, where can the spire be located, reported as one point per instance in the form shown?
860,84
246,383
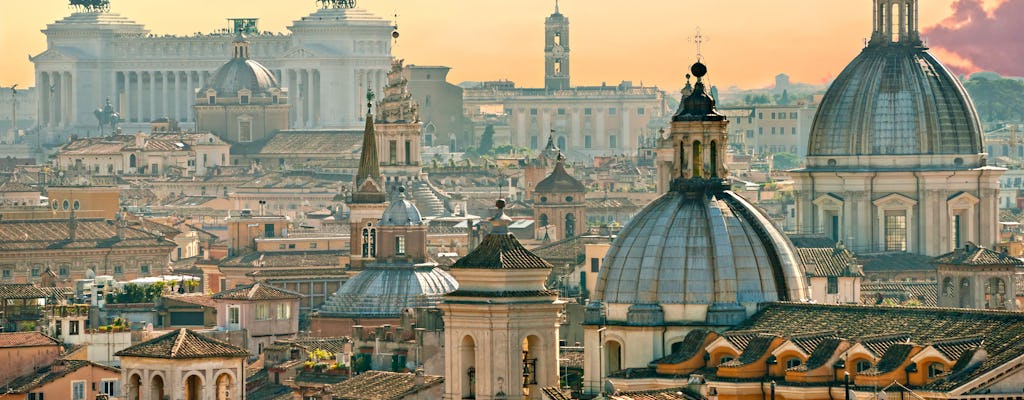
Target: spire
556,7
368,185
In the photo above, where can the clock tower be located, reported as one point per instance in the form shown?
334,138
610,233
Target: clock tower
556,51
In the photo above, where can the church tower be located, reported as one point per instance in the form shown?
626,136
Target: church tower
501,325
368,201
556,51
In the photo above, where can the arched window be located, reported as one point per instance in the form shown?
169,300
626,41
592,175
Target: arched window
935,369
863,365
224,387
612,357
995,293
193,388
570,225
131,161
369,242
542,220
965,293
468,353
947,287
682,159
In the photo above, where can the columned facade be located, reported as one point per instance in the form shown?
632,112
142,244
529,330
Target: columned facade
95,55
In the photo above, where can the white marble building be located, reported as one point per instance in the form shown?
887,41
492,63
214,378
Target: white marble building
327,60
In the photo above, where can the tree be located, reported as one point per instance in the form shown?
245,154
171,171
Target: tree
785,161
486,140
997,99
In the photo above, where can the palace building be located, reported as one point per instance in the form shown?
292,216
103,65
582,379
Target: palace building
98,54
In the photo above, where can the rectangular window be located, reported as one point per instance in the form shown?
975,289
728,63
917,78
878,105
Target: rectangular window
35,272
773,115
792,115
65,270
895,231
244,100
595,264
78,390
284,311
613,141
782,115
760,115
118,270
640,111
792,130
244,131
773,130
72,327
281,246
234,315
956,231
262,312
400,245
533,111
612,111
760,131
533,142
312,245
392,152
587,142
588,111
144,269
213,100
833,285
291,245
110,387
408,152
561,111
7,274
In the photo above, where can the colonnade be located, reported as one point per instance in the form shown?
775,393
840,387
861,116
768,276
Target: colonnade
147,95
56,101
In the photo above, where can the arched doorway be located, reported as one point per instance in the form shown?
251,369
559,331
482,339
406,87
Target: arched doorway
468,367
612,357
135,387
156,387
193,388
224,385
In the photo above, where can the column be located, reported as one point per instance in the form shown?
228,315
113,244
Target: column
72,104
317,104
176,97
306,114
292,95
190,96
56,89
138,97
152,96
42,103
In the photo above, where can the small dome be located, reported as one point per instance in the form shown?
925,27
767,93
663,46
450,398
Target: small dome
560,181
383,292
401,212
695,248
242,73
895,99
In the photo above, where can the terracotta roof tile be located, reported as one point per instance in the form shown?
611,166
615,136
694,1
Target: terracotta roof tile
381,385
272,259
90,233
21,291
691,344
183,344
198,299
559,181
926,293
831,262
974,255
256,291
26,339
501,252
49,374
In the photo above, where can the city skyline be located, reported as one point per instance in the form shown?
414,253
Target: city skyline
810,41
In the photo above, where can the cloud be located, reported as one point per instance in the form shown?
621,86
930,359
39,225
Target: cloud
981,40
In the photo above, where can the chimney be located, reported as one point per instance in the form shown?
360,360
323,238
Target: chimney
120,224
419,379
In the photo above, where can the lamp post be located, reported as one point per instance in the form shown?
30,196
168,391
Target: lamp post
773,389
600,360
846,384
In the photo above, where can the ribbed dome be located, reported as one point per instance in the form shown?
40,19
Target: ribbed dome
383,292
895,98
713,249
242,73
401,212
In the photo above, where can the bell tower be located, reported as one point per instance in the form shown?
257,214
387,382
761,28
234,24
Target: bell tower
556,51
895,21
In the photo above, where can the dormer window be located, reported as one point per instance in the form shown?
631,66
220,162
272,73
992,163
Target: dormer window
213,100
244,99
274,99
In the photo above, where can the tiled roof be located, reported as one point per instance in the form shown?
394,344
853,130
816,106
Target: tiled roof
559,181
49,374
831,262
568,249
893,357
16,187
256,291
974,255
679,393
554,393
198,299
821,354
89,233
381,385
754,350
271,259
183,344
691,344
322,143
501,251
21,291
895,262
571,356
927,293
810,341
1002,332
26,339
955,348
812,241
271,392
304,272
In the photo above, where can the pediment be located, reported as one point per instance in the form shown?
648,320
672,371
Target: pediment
300,53
895,200
962,200
828,200
52,55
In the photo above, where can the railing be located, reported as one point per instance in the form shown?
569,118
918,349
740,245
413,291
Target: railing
23,313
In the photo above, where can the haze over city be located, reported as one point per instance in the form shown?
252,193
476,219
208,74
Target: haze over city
748,41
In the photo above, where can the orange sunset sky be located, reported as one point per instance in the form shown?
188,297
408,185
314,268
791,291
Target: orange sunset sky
749,41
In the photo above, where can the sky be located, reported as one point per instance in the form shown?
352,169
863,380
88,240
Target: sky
747,42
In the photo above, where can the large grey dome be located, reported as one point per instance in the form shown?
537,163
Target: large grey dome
242,73
383,291
895,98
712,249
